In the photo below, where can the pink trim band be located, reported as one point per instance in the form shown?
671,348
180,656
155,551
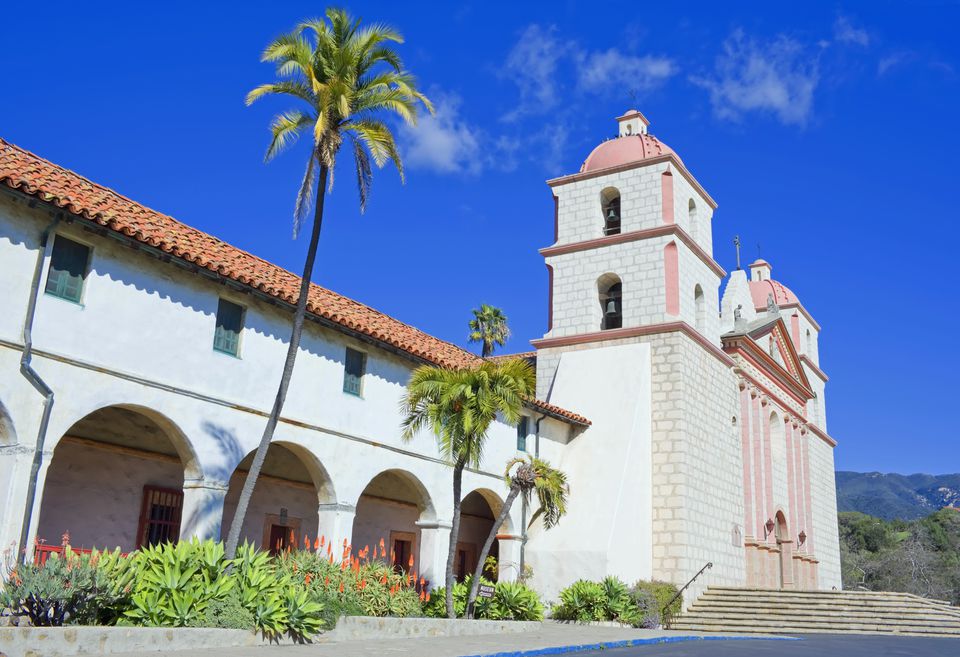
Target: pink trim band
619,334
636,235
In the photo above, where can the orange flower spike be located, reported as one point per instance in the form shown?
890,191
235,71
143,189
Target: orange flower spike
293,538
308,579
344,544
428,597
294,568
306,542
423,582
326,580
331,559
341,587
410,561
383,580
323,540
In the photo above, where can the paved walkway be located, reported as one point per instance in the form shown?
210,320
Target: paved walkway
551,635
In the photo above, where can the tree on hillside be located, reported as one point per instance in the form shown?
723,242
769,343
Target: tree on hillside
459,405
525,476
347,80
489,327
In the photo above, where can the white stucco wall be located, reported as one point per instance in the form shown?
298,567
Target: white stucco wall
607,529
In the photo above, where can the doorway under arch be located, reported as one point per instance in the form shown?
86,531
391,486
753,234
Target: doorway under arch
284,508
116,480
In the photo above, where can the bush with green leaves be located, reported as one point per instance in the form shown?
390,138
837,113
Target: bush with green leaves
583,601
612,600
510,601
71,588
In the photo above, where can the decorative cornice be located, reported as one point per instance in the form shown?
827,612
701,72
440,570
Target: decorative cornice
666,157
633,332
821,434
816,370
634,236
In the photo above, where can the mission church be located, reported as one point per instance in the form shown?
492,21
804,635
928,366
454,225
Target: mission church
139,357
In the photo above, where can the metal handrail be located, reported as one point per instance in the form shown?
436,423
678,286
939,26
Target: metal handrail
665,612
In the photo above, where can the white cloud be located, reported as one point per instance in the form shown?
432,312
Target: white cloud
845,32
532,66
778,77
614,70
443,142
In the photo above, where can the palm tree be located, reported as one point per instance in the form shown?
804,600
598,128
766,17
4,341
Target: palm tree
459,405
489,326
345,78
529,475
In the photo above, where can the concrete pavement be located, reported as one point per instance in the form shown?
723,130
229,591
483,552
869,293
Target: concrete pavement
549,635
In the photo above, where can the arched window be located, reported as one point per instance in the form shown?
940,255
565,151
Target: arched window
610,205
610,290
692,216
701,307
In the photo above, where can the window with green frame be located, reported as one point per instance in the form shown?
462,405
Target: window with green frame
522,430
226,337
68,269
354,365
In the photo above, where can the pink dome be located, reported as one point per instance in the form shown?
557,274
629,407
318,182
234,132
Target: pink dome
625,150
782,295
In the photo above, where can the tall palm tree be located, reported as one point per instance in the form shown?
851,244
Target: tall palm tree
345,78
489,327
528,475
459,405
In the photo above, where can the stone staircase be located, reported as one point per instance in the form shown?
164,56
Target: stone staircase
771,611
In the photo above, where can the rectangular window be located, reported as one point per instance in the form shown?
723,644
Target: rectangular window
226,338
68,269
522,435
159,516
353,367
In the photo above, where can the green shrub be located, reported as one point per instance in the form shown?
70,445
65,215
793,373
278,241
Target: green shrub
69,589
514,601
662,593
510,601
228,613
583,601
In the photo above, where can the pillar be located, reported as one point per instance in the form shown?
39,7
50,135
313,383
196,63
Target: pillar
202,513
335,523
434,548
509,561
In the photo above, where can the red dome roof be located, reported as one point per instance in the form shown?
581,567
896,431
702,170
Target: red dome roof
625,150
761,290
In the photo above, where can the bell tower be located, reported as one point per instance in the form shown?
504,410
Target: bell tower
632,249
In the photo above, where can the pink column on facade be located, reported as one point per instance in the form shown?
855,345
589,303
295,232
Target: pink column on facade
758,469
666,196
795,330
748,475
801,491
768,460
807,494
671,270
791,479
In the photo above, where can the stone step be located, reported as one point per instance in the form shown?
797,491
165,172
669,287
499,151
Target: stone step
930,614
877,602
787,629
788,618
758,624
825,607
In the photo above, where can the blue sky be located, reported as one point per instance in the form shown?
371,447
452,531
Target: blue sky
825,131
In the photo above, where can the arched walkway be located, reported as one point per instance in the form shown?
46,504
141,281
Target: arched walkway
478,511
284,507
389,510
116,480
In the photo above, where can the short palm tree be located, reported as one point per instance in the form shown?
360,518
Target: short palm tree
345,78
489,327
459,405
525,476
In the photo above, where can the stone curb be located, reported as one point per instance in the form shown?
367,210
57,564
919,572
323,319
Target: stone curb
628,643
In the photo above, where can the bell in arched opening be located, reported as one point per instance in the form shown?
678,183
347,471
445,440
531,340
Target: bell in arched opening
613,307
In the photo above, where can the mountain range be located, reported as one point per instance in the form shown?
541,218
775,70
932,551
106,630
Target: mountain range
896,496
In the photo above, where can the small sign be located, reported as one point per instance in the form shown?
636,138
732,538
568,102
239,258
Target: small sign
486,591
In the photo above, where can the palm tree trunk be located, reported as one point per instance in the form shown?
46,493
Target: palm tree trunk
491,537
450,579
298,318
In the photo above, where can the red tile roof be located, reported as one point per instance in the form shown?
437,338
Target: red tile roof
35,176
